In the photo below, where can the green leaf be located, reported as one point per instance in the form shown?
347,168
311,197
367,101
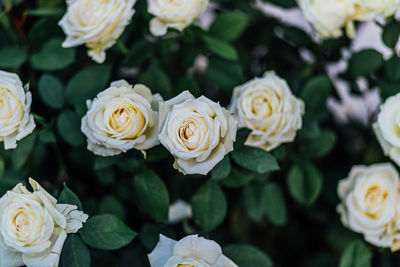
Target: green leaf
2,167
106,232
241,137
315,94
24,149
51,91
87,83
305,183
387,88
221,48
392,68
229,26
52,56
50,3
106,176
46,136
156,79
391,33
253,200
365,62
275,207
245,255
152,195
67,196
12,57
139,53
112,205
105,162
222,169
75,253
225,74
42,31
255,159
319,146
356,254
69,128
237,178
209,206
44,12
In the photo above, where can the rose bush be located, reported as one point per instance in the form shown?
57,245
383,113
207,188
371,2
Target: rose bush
214,133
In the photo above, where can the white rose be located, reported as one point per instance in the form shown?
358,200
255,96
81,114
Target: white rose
328,17
198,132
121,118
176,14
96,23
267,107
191,251
387,128
33,227
368,9
15,105
370,204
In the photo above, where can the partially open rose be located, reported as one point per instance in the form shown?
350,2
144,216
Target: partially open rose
96,23
370,204
267,107
121,118
191,251
176,14
33,227
198,132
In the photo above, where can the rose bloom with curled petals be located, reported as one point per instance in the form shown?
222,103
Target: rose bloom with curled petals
267,107
176,14
329,17
191,251
121,118
370,204
16,122
33,227
387,128
198,132
96,23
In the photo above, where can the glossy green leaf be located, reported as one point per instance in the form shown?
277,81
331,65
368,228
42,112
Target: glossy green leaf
75,253
209,206
106,232
152,195
51,91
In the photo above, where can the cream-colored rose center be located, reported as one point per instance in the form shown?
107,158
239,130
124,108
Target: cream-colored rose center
260,106
374,198
21,223
185,265
127,119
189,134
